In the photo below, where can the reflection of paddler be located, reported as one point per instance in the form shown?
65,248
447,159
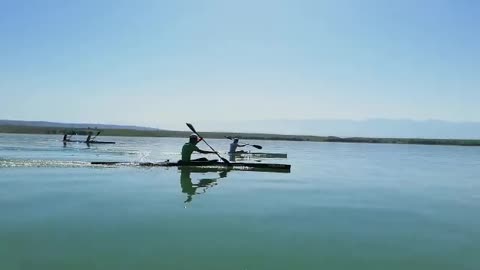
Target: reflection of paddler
190,188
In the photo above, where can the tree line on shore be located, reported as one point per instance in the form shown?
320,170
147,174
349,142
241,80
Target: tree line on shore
221,135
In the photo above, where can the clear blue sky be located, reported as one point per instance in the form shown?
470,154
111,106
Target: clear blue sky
160,63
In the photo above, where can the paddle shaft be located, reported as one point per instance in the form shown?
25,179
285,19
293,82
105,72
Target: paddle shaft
98,133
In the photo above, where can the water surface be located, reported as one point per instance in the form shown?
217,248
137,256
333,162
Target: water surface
343,206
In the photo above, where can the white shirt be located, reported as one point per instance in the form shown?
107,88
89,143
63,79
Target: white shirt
233,147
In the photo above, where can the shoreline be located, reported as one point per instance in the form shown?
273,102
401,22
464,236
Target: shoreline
10,129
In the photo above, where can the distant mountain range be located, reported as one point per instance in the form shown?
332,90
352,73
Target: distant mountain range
71,125
379,128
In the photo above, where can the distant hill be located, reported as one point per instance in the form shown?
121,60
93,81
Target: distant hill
27,127
377,128
72,125
371,128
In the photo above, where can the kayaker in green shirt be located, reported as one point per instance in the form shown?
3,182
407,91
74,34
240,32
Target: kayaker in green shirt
190,147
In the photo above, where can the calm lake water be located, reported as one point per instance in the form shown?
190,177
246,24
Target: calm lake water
343,206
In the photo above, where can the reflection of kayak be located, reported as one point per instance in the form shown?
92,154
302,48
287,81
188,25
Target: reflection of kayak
258,155
206,164
90,142
204,169
99,142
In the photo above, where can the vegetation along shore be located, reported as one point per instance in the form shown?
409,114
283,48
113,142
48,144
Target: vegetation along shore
252,136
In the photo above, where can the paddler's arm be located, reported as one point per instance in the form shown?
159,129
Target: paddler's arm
203,151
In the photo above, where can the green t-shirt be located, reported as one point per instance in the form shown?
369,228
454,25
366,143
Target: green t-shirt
187,151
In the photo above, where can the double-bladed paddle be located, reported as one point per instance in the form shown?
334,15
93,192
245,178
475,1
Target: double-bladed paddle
253,145
194,131
98,133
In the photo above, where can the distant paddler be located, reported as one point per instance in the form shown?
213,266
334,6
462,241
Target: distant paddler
89,137
66,138
190,147
234,145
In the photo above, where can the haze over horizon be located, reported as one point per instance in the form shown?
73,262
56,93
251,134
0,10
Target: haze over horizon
161,64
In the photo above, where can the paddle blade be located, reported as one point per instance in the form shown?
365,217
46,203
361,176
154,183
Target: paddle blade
228,137
191,127
257,146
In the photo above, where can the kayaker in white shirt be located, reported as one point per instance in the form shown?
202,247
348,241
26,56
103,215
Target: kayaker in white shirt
234,145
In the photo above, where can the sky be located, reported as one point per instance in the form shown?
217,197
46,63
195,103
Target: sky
163,63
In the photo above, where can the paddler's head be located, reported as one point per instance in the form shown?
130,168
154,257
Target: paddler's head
193,138
235,140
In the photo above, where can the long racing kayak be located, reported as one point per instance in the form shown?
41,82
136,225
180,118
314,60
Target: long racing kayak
258,155
211,163
90,142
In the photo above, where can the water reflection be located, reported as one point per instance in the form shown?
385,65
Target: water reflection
232,157
201,185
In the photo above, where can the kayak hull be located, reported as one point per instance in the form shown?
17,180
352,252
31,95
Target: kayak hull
99,142
205,164
258,155
90,142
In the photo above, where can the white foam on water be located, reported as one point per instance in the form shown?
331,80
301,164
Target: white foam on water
18,163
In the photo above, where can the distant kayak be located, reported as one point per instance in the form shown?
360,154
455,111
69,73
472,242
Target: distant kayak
90,142
67,137
99,142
